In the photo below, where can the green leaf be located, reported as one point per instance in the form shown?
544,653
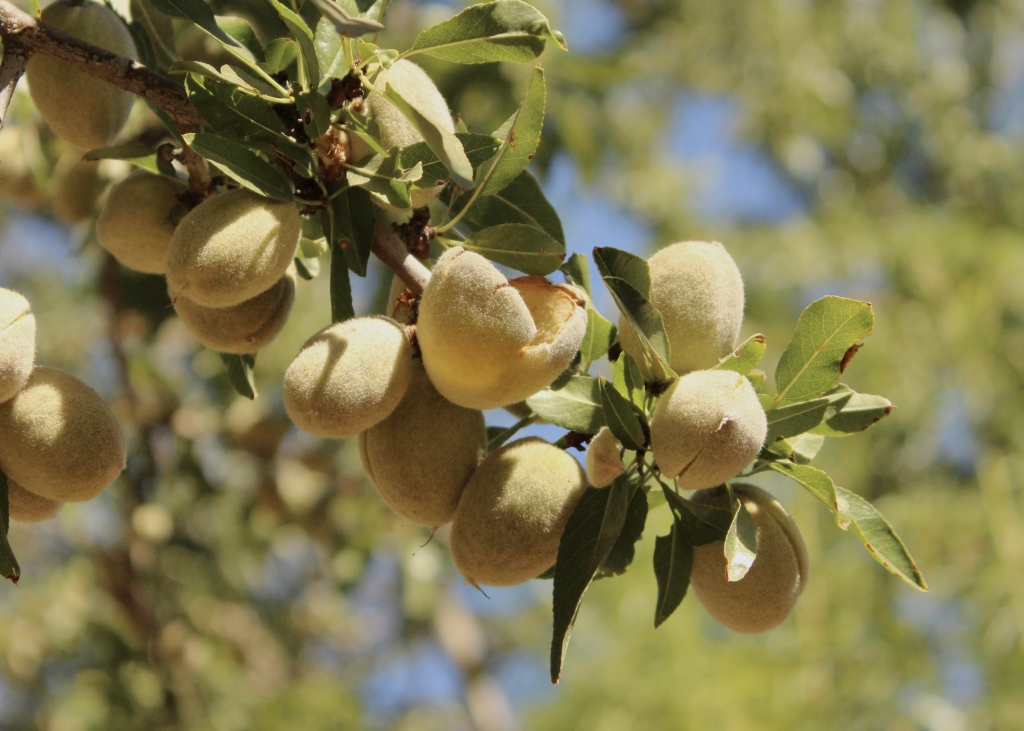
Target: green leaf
341,289
700,524
588,538
316,113
329,53
242,32
352,221
860,412
646,322
313,242
243,165
240,116
575,406
346,21
806,447
577,268
204,70
240,373
521,201
794,419
756,379
818,484
443,143
746,357
383,176
520,137
478,148
814,360
199,13
280,54
881,540
519,246
622,553
302,34
598,339
619,415
629,382
157,26
9,568
139,155
740,544
673,563
630,268
505,30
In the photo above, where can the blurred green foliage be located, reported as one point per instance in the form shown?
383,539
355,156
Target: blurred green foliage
243,576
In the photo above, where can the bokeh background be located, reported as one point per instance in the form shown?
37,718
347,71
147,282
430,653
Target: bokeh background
243,575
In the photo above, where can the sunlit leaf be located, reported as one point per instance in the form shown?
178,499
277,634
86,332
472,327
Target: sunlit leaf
881,540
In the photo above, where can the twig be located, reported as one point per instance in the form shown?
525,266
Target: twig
20,30
198,172
11,69
391,250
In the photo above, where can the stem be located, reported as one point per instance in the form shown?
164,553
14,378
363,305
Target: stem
11,69
198,172
20,30
391,250
504,436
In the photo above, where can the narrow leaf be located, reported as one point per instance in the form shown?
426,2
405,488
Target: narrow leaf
345,23
443,143
139,155
619,415
630,268
746,357
813,361
622,553
860,412
700,524
577,269
521,201
505,30
9,568
588,538
575,406
881,540
478,148
628,381
818,484
352,219
240,375
520,137
740,544
797,418
598,339
673,563
243,165
199,13
341,288
519,246
302,34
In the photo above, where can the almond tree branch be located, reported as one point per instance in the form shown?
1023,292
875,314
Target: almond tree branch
391,250
25,35
11,69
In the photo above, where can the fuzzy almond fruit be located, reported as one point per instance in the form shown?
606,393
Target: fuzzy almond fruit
422,455
706,428
17,343
59,439
489,342
27,507
348,377
243,328
513,511
698,289
767,594
416,87
135,224
86,111
604,463
232,247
